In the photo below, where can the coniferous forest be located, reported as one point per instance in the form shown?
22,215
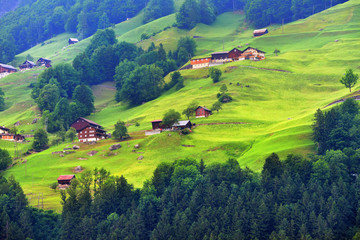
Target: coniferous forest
33,22
312,197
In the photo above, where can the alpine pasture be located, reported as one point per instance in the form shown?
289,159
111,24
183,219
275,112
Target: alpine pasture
271,111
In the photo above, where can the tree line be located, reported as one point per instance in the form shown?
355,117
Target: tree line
34,22
259,13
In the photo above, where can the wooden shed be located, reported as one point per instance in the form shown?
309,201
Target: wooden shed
27,64
220,56
73,41
156,124
65,179
260,32
44,62
182,125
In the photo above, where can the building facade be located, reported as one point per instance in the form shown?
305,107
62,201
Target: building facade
88,131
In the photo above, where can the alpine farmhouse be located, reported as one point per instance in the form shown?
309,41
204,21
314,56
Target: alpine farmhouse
88,131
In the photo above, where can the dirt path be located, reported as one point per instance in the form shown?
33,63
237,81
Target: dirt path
357,98
207,124
107,86
267,69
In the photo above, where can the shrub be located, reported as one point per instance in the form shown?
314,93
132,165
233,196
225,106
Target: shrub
185,131
225,98
53,185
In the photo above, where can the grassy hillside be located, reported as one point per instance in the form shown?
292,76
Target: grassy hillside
276,107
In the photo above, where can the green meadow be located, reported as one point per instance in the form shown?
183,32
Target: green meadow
272,111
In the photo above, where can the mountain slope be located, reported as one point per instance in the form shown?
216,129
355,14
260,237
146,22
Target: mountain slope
277,107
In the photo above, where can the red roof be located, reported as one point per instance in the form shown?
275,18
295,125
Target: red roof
80,125
66,177
156,121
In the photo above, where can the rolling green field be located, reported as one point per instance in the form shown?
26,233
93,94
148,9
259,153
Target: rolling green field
272,110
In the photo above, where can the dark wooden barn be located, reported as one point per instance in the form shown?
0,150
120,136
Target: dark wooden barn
235,54
88,131
156,124
260,32
202,112
65,179
219,55
73,41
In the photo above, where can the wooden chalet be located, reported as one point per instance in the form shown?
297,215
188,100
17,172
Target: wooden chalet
200,62
4,68
202,112
156,124
65,179
182,125
73,41
220,57
88,131
254,53
27,65
12,137
260,32
44,62
4,130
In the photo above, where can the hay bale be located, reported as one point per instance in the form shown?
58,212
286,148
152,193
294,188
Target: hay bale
75,147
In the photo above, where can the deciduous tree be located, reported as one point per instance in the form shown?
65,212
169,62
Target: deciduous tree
350,79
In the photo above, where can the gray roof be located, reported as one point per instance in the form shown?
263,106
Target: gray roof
32,63
220,52
7,66
181,123
45,59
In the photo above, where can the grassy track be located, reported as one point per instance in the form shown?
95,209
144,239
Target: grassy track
278,106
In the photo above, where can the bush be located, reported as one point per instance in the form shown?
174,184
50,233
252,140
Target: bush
53,185
185,131
225,98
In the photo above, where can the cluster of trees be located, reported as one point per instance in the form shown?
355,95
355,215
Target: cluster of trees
296,198
337,128
63,93
139,76
18,220
157,9
34,22
262,12
55,87
259,12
